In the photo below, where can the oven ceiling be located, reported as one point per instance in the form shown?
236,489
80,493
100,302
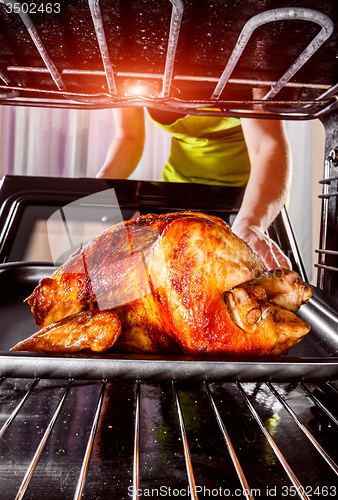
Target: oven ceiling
273,57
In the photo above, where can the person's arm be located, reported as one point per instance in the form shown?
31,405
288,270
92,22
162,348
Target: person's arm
267,187
126,149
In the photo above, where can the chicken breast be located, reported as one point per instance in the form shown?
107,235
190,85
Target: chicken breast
180,282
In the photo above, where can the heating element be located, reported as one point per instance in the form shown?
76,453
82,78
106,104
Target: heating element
82,54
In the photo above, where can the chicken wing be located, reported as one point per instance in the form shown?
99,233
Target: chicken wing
93,330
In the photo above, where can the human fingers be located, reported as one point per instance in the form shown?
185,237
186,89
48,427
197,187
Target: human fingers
282,259
264,246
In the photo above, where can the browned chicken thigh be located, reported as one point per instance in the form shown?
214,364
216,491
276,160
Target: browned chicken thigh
180,282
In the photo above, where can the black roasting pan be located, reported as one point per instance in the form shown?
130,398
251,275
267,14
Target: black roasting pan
314,359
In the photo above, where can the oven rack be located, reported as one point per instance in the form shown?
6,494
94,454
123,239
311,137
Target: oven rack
329,194
70,439
16,93
327,278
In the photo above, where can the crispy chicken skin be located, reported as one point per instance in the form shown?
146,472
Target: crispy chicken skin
93,330
180,282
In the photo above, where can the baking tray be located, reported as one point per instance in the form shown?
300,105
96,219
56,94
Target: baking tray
314,359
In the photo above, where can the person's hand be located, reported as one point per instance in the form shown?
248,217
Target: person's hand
264,246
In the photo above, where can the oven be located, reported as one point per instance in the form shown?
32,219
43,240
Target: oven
133,426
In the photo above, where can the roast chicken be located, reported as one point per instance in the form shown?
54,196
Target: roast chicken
175,283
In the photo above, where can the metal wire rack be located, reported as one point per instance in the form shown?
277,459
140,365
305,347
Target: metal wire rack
119,439
327,265
328,197
58,93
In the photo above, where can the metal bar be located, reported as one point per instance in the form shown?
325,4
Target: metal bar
319,403
96,14
293,244
308,434
96,103
103,104
68,233
329,92
274,446
325,209
104,101
328,195
27,69
190,472
175,25
328,180
324,266
328,109
4,77
38,44
159,100
136,467
277,15
327,29
41,446
102,98
190,78
329,384
82,477
139,100
59,93
245,487
118,73
172,101
8,95
328,252
238,81
326,95
18,408
52,104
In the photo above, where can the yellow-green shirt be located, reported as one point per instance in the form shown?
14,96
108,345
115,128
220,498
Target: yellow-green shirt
207,150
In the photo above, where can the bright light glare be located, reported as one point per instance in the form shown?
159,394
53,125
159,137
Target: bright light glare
137,89
141,88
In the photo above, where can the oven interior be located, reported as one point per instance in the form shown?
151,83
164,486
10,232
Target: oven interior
122,428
